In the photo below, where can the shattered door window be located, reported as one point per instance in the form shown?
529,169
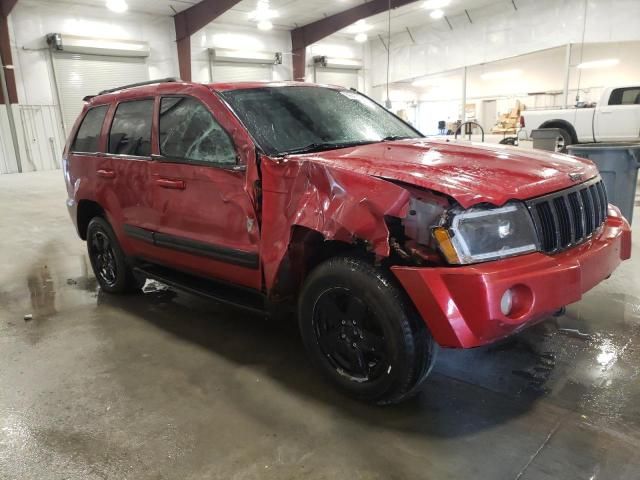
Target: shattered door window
188,131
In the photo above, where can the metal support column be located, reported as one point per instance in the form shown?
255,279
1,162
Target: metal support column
12,123
463,114
567,73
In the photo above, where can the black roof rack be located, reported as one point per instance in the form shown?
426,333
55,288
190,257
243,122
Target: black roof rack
140,84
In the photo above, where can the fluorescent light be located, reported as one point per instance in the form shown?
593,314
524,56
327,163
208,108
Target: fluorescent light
263,11
118,6
607,62
265,25
501,74
433,4
436,14
361,37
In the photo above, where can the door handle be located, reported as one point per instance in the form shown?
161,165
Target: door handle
106,173
167,183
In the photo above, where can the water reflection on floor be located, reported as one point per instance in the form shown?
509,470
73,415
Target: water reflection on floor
166,385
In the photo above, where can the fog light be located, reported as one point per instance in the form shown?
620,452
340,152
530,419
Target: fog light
506,302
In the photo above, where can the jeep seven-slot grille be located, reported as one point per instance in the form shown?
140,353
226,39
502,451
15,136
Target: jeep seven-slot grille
568,217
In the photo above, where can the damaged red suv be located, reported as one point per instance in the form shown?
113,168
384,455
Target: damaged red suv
387,244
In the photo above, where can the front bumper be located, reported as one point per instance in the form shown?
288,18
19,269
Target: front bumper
461,305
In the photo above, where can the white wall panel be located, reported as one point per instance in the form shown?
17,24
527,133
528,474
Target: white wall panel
31,20
42,139
249,39
500,32
335,76
7,155
241,72
80,75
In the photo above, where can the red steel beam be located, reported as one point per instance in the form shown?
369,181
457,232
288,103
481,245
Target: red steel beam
306,35
7,61
6,6
184,58
191,20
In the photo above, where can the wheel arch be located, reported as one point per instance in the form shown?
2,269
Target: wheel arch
87,209
307,249
564,125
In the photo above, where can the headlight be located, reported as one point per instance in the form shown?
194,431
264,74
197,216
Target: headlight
483,234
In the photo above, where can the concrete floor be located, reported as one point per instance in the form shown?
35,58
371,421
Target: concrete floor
165,385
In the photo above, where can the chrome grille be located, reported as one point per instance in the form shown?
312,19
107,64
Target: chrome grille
568,217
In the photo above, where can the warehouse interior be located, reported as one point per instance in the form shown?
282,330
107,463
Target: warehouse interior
167,384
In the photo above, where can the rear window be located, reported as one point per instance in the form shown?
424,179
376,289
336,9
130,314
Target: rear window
131,129
625,96
88,136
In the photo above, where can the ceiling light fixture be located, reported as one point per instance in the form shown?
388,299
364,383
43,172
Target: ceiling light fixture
436,14
433,4
263,11
361,37
501,74
607,62
118,6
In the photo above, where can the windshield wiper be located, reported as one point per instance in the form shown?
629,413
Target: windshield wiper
395,137
316,146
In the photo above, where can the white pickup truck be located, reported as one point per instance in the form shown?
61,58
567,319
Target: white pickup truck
616,118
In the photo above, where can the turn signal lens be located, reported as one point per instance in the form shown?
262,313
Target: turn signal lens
446,247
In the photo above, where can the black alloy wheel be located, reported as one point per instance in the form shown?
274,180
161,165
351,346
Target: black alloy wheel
362,332
105,261
350,335
109,263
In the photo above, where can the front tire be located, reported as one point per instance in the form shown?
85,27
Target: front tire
362,332
108,261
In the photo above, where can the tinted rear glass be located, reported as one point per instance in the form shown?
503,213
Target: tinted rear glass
625,96
131,129
88,136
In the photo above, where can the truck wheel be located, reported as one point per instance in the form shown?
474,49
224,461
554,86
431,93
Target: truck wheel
108,261
362,332
563,141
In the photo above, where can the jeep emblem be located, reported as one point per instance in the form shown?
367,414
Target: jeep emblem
575,177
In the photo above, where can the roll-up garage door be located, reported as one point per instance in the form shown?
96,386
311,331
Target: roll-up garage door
78,75
337,76
240,72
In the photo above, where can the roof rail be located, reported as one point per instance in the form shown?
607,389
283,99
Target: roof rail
140,84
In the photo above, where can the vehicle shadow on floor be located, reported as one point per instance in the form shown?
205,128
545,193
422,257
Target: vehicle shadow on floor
468,390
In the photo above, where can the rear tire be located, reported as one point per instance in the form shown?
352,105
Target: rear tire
108,261
563,141
362,332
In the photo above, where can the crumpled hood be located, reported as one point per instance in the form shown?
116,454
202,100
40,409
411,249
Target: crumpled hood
471,173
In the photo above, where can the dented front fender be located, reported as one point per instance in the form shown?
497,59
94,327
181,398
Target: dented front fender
338,204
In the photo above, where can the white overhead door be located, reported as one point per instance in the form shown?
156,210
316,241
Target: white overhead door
343,77
79,75
240,72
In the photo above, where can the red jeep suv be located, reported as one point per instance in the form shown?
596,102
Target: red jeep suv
388,244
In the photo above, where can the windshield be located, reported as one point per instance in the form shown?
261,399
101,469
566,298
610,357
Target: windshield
300,119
